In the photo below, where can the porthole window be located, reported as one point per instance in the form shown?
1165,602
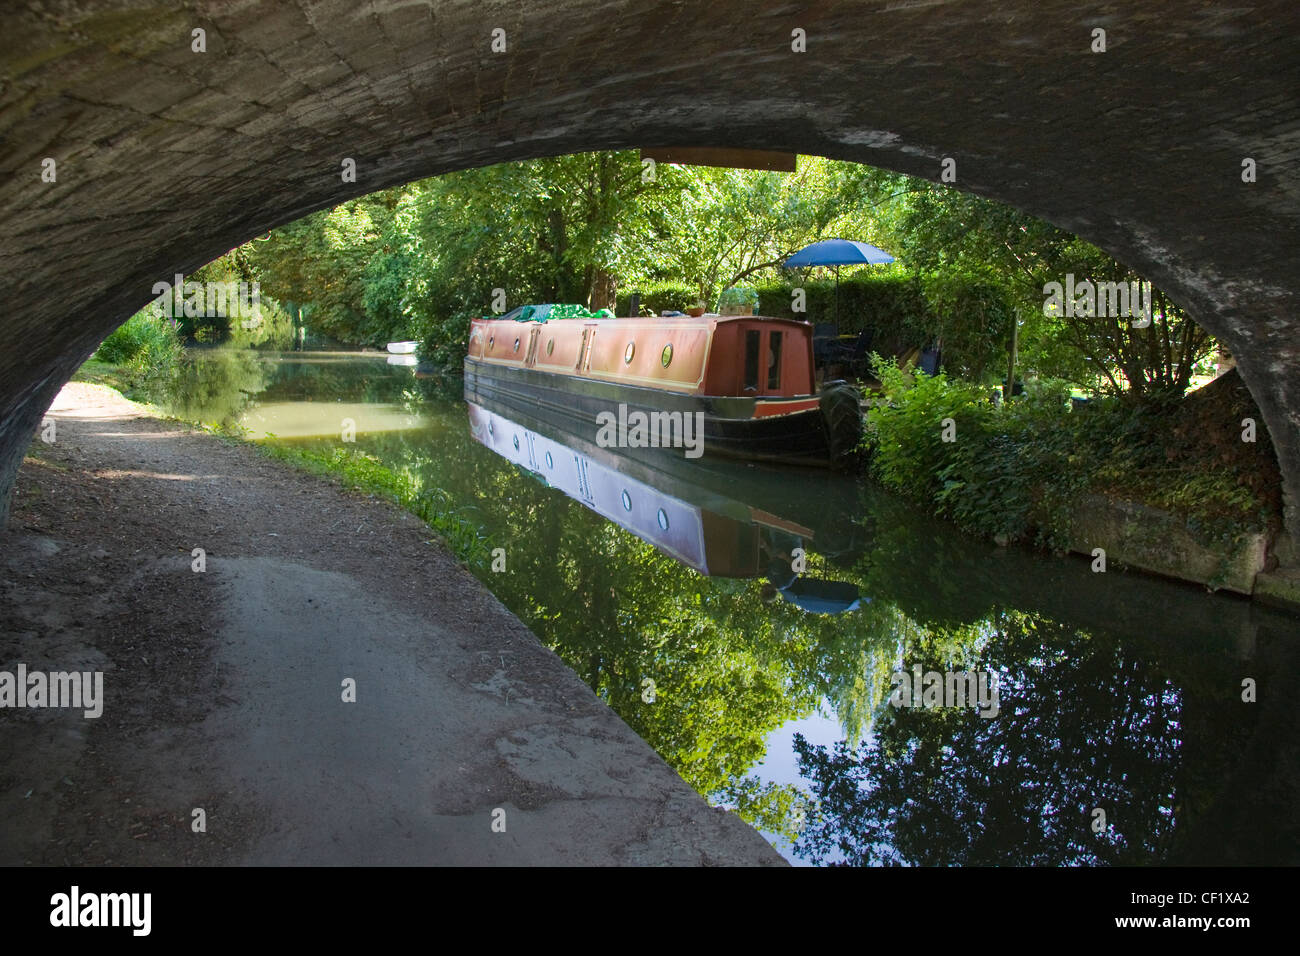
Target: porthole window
516,443
492,339
516,345
629,352
627,501
550,462
666,356
550,346
491,429
663,519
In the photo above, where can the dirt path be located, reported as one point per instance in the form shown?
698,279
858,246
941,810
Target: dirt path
223,690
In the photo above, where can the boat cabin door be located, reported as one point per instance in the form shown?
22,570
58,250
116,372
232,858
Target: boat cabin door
764,362
584,349
534,335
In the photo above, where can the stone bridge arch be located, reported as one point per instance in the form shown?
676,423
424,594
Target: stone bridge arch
167,156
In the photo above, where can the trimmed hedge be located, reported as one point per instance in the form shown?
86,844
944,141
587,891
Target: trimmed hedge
972,320
901,316
660,297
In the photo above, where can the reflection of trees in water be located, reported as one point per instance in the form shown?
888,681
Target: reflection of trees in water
215,386
1085,722
359,380
727,668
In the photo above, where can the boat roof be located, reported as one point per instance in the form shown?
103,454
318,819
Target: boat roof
664,319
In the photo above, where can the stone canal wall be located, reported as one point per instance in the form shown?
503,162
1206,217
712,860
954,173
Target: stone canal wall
1139,537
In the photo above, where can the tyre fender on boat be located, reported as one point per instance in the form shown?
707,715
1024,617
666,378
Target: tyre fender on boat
841,408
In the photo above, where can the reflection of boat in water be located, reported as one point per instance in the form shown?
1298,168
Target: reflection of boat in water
402,348
748,381
403,360
722,520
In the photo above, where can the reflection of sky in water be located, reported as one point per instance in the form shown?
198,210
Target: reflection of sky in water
780,764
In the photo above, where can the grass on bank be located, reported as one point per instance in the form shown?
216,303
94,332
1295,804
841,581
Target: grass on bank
366,473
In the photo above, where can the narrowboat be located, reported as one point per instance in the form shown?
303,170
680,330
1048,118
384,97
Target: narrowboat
747,382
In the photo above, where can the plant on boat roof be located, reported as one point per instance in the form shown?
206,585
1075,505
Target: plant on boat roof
738,295
577,312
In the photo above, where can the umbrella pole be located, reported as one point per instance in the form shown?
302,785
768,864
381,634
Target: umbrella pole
837,300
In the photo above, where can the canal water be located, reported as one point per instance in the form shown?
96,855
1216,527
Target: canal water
763,629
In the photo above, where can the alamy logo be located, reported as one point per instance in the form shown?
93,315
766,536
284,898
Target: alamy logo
639,429
102,909
208,300
1090,299
947,689
55,689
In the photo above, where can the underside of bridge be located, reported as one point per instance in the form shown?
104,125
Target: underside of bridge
165,156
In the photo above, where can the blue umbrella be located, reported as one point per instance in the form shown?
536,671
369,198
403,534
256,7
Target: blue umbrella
838,252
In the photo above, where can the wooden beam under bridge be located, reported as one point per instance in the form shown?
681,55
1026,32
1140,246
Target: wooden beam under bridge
723,156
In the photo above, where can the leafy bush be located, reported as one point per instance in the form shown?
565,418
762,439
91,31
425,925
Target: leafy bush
147,349
1005,469
1019,470
906,429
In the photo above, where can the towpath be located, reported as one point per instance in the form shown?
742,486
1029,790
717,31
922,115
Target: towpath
224,689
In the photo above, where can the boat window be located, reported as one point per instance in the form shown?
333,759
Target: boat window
751,359
774,360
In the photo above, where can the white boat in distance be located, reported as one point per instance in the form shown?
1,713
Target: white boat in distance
402,348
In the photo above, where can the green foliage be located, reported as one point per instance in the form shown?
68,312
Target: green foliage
569,311
969,316
659,297
1018,470
955,236
332,260
884,299
906,429
972,315
745,297
146,350
422,260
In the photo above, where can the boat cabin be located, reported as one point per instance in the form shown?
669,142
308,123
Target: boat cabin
742,356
